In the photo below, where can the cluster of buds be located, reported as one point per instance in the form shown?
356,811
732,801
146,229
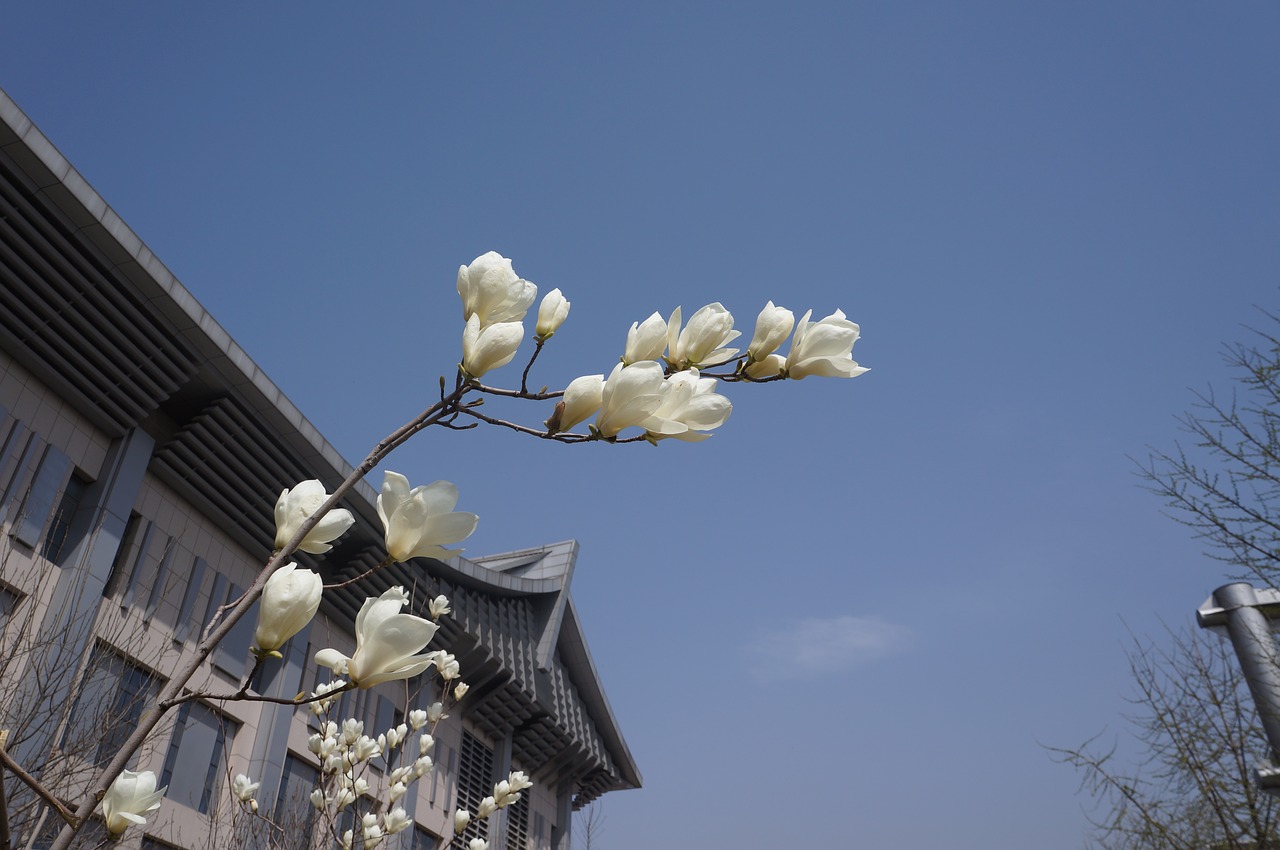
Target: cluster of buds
345,751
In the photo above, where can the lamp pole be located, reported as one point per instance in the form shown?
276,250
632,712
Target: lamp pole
1250,617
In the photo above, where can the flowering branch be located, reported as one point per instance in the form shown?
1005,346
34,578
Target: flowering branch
658,388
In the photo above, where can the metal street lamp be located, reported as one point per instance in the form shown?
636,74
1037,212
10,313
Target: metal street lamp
1251,617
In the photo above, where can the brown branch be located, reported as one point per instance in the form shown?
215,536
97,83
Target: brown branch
34,784
441,409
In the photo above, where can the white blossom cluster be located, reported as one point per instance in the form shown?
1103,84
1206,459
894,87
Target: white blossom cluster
658,385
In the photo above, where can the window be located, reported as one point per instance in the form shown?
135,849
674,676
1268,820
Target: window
293,811
59,543
518,823
8,604
49,479
421,840
194,766
475,782
113,695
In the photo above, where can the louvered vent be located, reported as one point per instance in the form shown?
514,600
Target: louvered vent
67,317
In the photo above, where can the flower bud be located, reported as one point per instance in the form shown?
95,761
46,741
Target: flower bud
551,315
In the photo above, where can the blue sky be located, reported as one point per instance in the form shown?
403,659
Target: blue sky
853,616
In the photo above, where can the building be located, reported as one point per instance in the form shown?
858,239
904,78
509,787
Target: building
140,453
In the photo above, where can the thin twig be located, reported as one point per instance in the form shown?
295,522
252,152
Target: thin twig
524,378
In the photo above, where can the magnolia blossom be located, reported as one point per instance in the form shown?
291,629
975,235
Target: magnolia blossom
243,788
487,807
370,831
487,347
130,796
702,342
581,399
387,643
690,406
508,790
297,505
460,690
289,601
418,521
435,712
552,312
773,325
448,666
461,818
630,396
396,821
439,607
768,367
824,348
417,719
478,844
425,743
493,292
646,340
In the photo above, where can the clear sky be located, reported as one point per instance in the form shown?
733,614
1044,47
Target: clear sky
852,617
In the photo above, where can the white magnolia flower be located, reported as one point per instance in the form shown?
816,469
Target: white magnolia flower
244,788
552,312
769,367
478,844
460,690
317,799
395,737
419,521
487,807
631,395
581,399
773,326
824,348
690,407
487,348
297,505
646,340
396,791
448,667
366,748
130,796
417,719
388,643
347,838
423,766
352,730
461,818
425,743
370,831
289,601
397,821
492,291
702,342
435,712
439,607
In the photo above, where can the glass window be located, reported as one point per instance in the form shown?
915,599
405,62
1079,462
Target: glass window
59,543
8,604
113,695
293,811
194,766
38,505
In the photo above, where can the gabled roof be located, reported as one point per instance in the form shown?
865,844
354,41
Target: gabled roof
95,315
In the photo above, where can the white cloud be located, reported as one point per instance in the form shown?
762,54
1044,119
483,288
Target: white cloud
820,647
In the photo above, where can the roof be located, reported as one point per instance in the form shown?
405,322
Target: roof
89,309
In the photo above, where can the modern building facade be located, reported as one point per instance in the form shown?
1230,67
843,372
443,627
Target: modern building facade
140,453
